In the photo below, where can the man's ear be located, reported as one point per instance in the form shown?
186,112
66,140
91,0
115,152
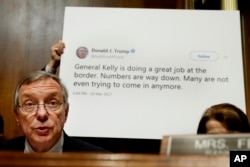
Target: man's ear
66,111
17,120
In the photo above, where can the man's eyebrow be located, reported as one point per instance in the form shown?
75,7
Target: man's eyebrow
27,94
54,93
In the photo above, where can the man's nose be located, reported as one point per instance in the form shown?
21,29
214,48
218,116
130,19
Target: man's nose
42,113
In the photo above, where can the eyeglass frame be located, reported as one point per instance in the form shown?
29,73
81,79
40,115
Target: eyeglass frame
45,105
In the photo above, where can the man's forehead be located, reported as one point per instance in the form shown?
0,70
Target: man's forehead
47,83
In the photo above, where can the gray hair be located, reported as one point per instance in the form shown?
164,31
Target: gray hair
35,76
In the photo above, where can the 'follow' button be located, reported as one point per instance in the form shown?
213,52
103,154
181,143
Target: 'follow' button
204,56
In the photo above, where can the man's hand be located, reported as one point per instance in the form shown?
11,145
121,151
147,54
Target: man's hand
56,51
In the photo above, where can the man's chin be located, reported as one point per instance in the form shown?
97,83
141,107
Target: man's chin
42,139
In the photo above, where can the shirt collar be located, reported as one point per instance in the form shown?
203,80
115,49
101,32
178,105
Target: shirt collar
58,147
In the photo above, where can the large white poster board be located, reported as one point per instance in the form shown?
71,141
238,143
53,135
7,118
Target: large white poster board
148,72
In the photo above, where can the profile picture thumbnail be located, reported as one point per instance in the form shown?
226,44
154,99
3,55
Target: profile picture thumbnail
82,52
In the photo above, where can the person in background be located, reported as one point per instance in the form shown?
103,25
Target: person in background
41,109
222,119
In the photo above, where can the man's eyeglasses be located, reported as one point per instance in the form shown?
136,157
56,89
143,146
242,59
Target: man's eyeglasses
31,107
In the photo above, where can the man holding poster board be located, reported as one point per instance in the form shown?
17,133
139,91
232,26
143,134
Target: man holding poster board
149,72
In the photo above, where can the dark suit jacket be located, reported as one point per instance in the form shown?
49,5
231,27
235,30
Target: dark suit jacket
70,144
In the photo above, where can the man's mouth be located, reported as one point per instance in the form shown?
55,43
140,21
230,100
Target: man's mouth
42,130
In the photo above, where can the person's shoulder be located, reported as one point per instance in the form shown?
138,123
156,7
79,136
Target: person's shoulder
16,144
73,144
